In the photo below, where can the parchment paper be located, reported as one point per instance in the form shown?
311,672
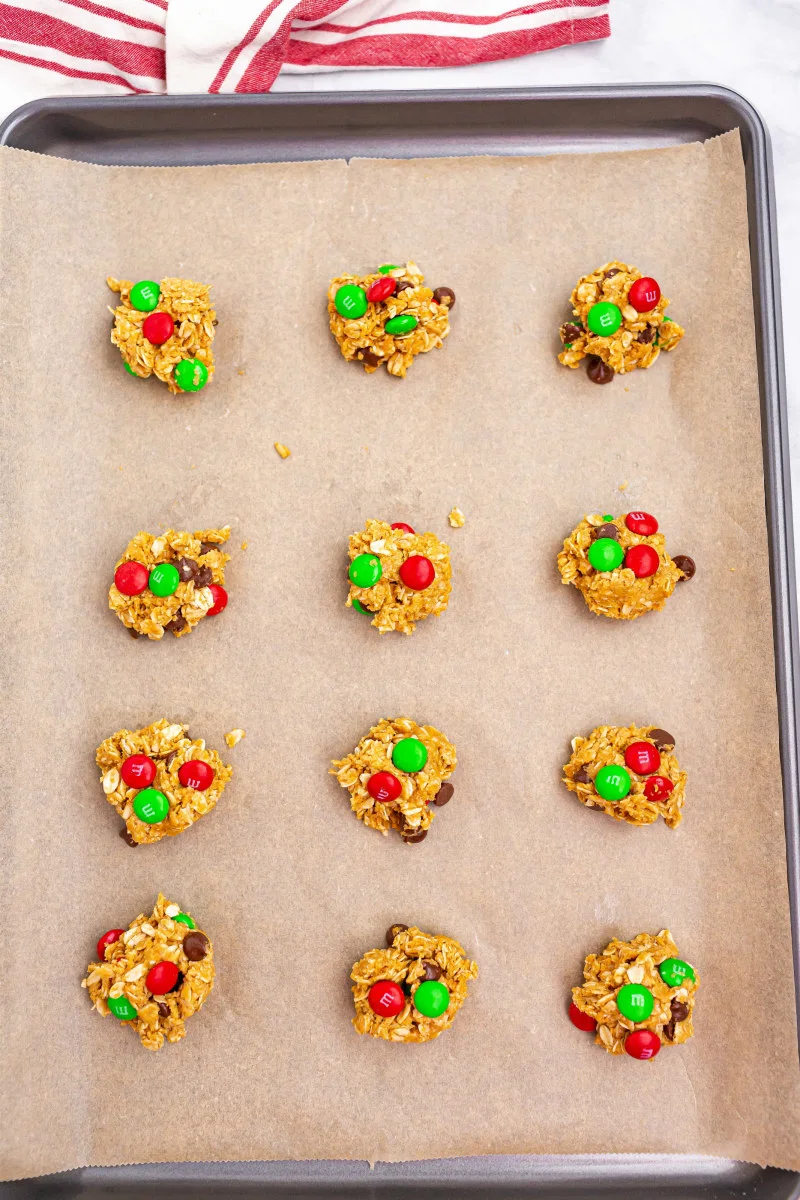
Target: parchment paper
289,885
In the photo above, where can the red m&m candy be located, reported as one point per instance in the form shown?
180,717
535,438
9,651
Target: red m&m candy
658,787
417,572
642,560
402,525
383,785
641,523
220,599
138,771
643,758
131,578
107,940
158,328
386,998
381,289
642,1044
196,774
162,978
644,294
581,1020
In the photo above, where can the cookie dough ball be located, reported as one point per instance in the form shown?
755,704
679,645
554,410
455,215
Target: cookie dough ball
398,576
620,565
630,773
159,780
396,777
165,330
636,996
170,582
153,975
389,317
618,323
412,991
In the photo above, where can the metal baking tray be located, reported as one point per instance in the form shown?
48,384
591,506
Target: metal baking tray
172,131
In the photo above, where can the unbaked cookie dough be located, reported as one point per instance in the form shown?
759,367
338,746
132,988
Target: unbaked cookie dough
630,773
153,975
396,777
637,996
412,991
159,780
397,576
389,317
618,323
165,330
170,582
620,565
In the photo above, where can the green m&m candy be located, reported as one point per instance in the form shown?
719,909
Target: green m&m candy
635,1002
612,783
674,972
151,806
164,579
409,755
365,570
145,295
185,919
121,1008
359,607
401,325
605,554
350,301
130,370
431,998
190,375
604,319
386,268
608,517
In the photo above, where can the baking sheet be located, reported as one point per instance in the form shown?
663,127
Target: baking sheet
290,887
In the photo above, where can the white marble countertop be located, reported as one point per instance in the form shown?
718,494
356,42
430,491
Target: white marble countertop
752,46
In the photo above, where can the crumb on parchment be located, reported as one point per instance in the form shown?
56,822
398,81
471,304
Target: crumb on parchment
284,451
234,737
456,518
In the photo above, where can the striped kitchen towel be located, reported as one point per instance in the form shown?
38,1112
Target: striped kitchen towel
134,46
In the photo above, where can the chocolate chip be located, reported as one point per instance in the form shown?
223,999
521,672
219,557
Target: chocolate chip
403,285
195,945
203,577
605,531
413,836
177,623
169,758
445,296
392,932
597,370
661,738
679,1010
207,547
187,568
134,633
686,566
582,776
612,272
669,1030
444,794
369,357
178,981
126,837
163,1009
647,334
570,331
431,970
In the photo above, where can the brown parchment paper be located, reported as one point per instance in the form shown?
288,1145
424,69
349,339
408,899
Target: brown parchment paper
289,885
